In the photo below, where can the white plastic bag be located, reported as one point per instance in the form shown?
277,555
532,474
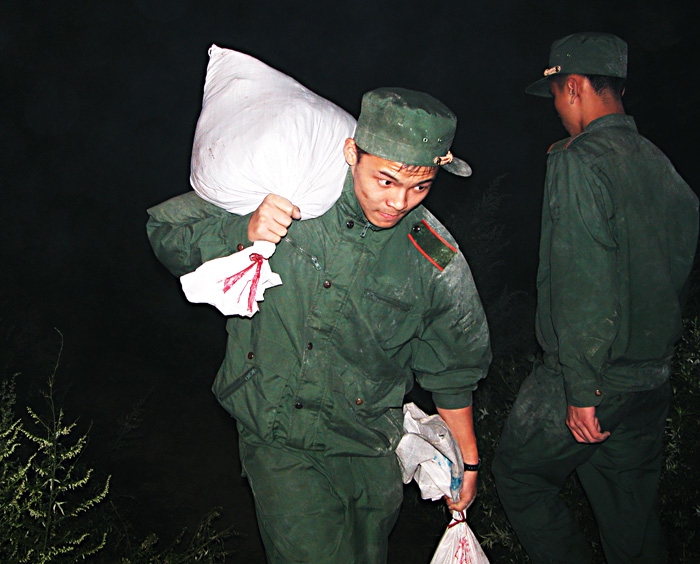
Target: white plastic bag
233,284
262,132
429,454
459,544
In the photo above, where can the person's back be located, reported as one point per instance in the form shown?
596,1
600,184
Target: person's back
655,217
650,221
619,230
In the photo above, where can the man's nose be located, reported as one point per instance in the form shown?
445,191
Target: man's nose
397,200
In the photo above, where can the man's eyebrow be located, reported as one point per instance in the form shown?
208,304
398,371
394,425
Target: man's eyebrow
395,179
391,176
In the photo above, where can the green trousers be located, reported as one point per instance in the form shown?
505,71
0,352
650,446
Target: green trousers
313,509
620,476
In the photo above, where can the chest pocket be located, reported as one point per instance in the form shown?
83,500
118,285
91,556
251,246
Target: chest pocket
391,303
388,316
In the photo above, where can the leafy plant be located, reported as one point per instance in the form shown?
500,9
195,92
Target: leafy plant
50,509
46,498
679,490
491,406
206,546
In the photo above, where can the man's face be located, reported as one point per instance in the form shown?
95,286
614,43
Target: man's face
387,190
568,112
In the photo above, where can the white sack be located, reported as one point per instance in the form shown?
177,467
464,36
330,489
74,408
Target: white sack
459,545
262,132
429,453
233,284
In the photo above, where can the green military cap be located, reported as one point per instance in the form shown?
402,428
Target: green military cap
408,127
583,53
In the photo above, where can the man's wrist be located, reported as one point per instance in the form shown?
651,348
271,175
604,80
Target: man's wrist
472,467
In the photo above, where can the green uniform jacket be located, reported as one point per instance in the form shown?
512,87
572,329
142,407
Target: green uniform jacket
619,230
327,361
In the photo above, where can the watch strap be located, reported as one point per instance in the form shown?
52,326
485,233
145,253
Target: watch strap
472,467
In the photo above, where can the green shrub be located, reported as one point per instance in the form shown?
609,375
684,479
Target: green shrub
206,546
50,510
46,497
679,490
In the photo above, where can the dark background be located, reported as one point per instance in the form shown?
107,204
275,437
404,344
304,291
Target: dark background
99,105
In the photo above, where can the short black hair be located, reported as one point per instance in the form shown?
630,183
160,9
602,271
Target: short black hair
360,152
611,85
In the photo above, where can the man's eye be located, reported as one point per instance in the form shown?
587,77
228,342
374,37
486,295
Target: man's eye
383,182
422,188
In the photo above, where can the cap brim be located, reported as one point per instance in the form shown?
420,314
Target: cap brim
458,167
540,88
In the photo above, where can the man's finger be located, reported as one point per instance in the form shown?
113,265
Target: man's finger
577,434
272,218
284,205
584,434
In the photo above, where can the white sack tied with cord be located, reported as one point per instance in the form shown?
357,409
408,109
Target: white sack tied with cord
429,454
261,132
233,284
459,544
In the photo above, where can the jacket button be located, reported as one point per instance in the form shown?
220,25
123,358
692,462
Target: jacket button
251,356
326,283
598,393
298,405
416,228
240,246
359,401
350,224
310,346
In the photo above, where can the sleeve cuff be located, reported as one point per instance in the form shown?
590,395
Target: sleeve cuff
237,232
452,401
581,394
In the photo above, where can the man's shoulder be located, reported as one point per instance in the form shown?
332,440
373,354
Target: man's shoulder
609,135
184,208
429,238
568,143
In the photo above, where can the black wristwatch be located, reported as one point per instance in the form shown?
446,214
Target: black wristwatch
472,467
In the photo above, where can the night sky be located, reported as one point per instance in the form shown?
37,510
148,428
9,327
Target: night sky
99,105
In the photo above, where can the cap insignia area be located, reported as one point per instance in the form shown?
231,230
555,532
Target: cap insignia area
439,161
552,70
431,245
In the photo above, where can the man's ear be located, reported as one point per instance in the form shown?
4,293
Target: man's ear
350,152
572,88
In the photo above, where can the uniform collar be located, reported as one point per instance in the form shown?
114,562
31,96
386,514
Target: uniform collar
612,120
350,206
348,200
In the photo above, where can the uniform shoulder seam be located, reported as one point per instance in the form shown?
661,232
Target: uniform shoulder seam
567,143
